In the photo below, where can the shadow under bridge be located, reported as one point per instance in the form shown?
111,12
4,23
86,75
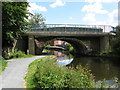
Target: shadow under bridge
41,42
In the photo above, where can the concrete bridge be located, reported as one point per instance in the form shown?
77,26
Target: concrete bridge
83,38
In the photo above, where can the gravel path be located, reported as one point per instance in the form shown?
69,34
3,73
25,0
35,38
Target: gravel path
13,76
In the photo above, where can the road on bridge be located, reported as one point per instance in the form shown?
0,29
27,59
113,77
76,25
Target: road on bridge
13,76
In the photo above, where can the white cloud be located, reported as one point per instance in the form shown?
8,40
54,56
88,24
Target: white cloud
113,17
103,1
35,7
100,23
57,3
89,18
70,18
90,1
94,8
97,8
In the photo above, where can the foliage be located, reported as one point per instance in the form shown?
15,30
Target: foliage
47,45
36,19
45,50
14,21
116,42
69,55
3,64
46,73
18,54
108,52
69,47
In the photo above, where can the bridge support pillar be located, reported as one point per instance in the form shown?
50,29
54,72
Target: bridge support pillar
104,43
31,45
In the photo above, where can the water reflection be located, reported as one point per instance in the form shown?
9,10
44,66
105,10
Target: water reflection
101,68
62,58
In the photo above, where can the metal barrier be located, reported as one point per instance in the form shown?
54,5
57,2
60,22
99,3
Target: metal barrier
71,28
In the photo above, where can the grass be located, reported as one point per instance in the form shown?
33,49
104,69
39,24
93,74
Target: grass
18,54
108,52
45,50
46,73
3,64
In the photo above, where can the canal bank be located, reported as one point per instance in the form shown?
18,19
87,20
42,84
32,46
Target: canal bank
103,67
47,72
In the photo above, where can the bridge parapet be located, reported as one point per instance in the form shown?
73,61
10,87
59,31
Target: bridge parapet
66,29
72,28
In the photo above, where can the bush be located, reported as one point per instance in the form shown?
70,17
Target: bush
3,64
108,52
46,73
18,54
116,46
116,42
69,47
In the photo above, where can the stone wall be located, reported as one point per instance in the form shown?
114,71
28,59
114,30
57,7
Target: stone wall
21,44
35,44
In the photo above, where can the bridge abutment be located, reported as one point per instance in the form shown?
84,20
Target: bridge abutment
104,43
31,44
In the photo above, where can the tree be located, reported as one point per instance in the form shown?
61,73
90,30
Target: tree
116,42
36,19
14,21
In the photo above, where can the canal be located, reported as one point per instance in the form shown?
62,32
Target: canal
102,68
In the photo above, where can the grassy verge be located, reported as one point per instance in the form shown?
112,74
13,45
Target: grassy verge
3,64
46,73
27,56
18,54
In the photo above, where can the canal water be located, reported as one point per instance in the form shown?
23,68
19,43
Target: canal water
101,68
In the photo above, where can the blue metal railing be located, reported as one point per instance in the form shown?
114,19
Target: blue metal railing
72,28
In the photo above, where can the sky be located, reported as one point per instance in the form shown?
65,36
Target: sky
88,12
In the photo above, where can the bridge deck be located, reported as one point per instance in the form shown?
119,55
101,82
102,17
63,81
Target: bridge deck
72,27
68,33
68,30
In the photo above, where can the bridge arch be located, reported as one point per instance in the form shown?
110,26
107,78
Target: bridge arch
79,46
94,37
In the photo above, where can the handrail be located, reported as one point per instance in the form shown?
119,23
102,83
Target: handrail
105,28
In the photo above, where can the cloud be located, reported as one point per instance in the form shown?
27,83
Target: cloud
94,8
103,1
57,3
89,18
35,7
113,17
111,20
89,1
97,8
100,23
70,18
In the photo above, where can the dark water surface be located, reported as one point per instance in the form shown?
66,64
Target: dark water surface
101,68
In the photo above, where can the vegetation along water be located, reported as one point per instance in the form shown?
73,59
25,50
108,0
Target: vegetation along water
47,73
